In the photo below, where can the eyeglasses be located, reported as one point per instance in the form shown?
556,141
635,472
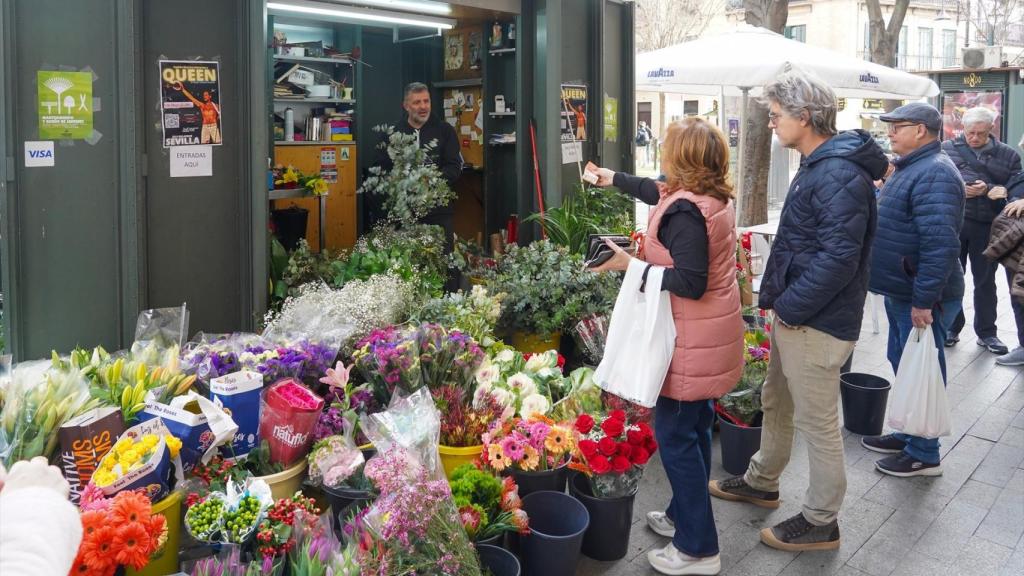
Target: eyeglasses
894,128
773,117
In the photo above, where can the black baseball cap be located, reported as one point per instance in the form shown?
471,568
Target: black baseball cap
916,113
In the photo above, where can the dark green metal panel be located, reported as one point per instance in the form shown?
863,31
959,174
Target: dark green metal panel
615,49
197,248
1015,121
64,247
8,217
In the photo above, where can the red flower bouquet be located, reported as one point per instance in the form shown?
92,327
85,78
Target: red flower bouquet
613,453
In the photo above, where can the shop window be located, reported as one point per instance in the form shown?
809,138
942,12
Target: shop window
798,33
948,48
690,108
924,48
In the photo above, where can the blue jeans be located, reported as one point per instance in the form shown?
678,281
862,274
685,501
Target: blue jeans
683,431
944,314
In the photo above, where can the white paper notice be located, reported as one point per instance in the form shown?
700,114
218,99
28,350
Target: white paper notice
38,154
572,152
191,161
466,130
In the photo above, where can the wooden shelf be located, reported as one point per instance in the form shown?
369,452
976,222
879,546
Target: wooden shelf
313,101
459,83
500,51
501,114
311,59
314,143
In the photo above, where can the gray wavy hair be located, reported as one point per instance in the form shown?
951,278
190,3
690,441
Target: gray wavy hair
979,115
796,91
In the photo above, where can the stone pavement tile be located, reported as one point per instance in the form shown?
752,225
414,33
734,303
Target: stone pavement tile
858,521
1004,523
895,538
848,570
1014,565
762,561
737,542
990,387
992,423
999,464
918,564
977,494
957,466
1016,484
1018,422
900,493
980,557
858,483
1013,397
1013,437
951,531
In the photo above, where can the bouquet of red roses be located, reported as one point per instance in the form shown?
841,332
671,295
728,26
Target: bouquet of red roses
613,453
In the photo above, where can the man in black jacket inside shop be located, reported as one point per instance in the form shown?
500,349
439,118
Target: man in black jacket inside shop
446,154
986,166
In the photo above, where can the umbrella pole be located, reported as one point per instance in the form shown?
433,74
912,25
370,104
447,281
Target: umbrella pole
741,156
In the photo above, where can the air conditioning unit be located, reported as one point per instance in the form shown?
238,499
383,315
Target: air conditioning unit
982,57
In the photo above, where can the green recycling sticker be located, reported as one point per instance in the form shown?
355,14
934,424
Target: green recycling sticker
65,105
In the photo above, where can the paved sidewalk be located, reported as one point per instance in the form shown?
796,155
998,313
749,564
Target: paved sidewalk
969,521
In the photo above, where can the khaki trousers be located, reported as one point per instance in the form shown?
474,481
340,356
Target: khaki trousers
801,391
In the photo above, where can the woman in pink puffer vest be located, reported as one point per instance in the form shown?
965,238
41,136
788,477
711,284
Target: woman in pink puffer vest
692,234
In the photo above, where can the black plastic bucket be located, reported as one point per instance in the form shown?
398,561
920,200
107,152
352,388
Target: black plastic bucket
290,225
607,537
864,400
344,499
738,444
499,561
530,482
557,524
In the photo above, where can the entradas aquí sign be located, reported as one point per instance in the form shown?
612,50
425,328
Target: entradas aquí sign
64,104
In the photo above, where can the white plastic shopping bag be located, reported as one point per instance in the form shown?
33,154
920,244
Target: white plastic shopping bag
919,404
641,338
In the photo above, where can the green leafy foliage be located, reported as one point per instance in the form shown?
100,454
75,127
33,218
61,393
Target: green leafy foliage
588,210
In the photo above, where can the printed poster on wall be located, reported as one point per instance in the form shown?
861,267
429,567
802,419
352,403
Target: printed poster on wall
65,105
954,104
611,118
574,113
190,103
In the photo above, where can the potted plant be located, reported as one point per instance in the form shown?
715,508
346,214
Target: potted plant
488,506
534,451
612,456
547,290
739,411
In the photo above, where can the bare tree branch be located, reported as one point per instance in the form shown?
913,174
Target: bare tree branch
661,23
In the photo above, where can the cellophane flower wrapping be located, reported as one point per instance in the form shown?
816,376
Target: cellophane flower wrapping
288,414
414,527
612,452
275,356
389,359
335,459
447,357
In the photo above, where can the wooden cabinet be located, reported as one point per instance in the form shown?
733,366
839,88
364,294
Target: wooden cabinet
340,207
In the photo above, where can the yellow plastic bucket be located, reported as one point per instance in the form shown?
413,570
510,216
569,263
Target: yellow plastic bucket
165,560
286,483
535,344
452,457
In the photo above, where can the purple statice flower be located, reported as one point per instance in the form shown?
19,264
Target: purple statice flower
330,423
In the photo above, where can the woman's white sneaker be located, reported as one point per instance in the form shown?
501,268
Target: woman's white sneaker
661,524
669,560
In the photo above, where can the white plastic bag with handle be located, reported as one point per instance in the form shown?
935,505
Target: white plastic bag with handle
919,404
641,338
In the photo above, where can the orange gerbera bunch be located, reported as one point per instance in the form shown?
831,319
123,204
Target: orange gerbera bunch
123,533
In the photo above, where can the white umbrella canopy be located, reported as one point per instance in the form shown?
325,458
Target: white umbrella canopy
751,57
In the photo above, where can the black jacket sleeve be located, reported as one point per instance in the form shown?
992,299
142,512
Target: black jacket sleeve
684,232
449,154
643,189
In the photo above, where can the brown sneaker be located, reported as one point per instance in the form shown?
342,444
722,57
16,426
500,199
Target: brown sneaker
737,490
796,534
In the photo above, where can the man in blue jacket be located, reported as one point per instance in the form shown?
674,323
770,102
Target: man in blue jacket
915,262
986,166
816,282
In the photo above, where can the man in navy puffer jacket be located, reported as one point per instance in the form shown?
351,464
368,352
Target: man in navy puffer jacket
816,282
915,261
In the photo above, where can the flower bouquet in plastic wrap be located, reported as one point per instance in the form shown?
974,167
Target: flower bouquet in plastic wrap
389,359
345,402
414,526
613,453
288,414
232,517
